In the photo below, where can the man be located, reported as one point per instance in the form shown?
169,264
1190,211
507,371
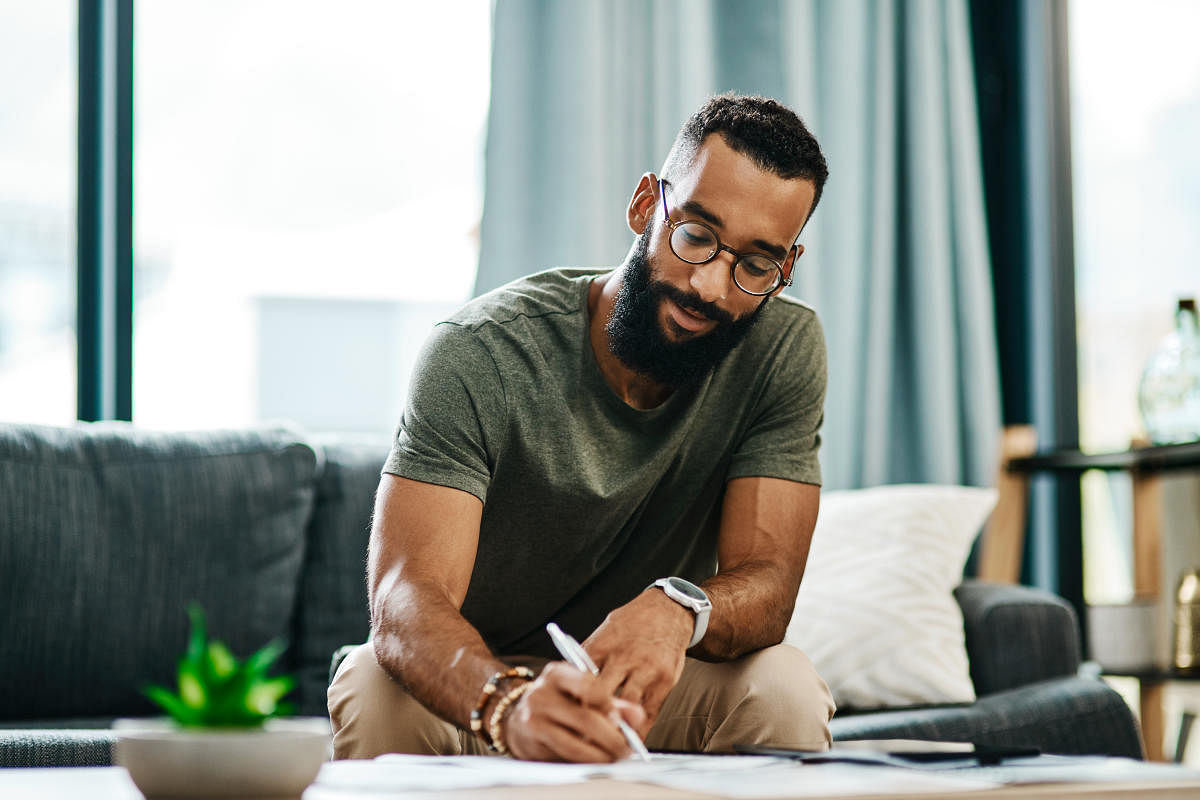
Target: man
574,438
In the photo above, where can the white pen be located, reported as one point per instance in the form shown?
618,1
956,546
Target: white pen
577,657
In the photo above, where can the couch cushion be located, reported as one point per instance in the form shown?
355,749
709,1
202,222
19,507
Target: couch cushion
332,609
107,532
875,612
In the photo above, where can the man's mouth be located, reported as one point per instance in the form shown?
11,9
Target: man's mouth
687,319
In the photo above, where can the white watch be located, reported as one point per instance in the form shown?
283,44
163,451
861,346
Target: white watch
691,597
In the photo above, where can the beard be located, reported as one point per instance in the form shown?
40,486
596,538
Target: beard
639,342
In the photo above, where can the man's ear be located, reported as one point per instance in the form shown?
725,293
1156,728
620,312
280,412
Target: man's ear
789,267
642,204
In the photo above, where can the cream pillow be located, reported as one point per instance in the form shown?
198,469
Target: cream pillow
875,612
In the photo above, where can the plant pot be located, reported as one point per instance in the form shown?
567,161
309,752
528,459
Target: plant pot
279,759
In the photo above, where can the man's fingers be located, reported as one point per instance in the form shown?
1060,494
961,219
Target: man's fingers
587,689
632,713
531,735
553,717
598,729
654,696
635,686
564,744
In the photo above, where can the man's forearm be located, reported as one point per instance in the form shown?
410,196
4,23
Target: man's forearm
752,606
423,642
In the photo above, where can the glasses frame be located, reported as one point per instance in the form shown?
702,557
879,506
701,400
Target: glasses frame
782,279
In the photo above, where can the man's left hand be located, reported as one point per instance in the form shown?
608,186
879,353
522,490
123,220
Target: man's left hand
640,650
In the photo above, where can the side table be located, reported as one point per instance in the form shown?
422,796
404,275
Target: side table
1002,555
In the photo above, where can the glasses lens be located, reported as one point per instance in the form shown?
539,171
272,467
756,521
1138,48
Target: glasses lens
693,242
757,274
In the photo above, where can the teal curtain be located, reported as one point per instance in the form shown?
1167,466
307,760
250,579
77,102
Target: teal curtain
587,96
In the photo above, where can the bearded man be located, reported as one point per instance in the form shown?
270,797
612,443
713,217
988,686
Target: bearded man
630,454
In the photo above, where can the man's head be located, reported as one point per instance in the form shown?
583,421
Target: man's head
769,134
748,169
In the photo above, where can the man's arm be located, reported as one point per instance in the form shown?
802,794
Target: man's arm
766,530
422,552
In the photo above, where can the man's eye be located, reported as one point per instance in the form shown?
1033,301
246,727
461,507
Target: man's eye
696,236
759,269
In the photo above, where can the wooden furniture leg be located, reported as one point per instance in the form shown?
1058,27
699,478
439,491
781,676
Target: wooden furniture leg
1147,585
1004,538
1147,536
1150,693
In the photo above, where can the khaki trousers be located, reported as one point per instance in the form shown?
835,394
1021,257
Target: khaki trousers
769,697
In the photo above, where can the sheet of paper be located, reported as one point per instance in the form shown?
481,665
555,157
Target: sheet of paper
731,776
734,776
507,771
795,780
410,773
1079,769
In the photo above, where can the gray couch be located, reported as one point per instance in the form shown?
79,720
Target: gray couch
107,531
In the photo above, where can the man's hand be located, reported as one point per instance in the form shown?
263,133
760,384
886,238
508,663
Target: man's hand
569,715
640,650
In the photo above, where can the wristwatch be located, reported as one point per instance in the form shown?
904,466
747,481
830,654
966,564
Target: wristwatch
691,597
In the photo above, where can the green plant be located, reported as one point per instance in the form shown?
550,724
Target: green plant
218,690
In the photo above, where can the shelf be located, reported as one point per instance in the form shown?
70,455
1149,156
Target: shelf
1157,458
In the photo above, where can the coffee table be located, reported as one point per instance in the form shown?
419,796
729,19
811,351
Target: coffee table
113,783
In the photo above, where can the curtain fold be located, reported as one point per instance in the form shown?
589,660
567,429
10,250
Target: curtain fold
588,96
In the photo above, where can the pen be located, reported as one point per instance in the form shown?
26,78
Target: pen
577,657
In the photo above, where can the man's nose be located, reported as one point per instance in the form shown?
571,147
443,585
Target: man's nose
711,281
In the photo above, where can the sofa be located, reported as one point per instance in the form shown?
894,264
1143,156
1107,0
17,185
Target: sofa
107,532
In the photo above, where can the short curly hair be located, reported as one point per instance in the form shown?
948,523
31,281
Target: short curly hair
759,127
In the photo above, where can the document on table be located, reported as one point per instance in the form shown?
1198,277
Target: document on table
730,776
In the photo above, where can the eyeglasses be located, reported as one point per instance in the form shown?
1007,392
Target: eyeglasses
696,243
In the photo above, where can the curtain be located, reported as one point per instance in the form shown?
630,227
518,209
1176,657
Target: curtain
589,95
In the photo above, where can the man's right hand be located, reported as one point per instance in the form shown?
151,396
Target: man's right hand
568,715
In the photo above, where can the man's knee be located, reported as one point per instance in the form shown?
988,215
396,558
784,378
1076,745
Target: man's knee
373,714
782,686
771,697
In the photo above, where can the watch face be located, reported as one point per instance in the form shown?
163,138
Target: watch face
687,589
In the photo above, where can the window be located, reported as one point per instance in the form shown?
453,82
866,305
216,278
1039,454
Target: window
308,190
1135,83
37,211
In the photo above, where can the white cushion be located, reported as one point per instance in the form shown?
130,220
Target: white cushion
875,612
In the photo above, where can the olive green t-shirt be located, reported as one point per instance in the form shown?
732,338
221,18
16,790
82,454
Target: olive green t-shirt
586,500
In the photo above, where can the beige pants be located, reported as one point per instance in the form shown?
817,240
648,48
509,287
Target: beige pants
771,697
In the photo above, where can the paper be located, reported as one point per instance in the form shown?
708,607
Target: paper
791,779
731,776
1080,769
734,776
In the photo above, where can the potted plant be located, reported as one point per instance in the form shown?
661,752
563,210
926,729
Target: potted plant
224,735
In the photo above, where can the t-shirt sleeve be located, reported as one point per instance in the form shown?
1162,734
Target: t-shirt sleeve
784,434
449,431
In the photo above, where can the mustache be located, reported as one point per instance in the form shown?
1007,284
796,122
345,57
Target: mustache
691,302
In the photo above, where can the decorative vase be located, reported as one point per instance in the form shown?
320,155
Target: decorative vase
1169,392
278,760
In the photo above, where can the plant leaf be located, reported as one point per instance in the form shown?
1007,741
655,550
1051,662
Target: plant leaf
263,696
198,641
257,664
192,691
171,704
221,663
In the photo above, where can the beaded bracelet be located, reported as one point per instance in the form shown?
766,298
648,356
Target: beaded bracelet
502,707
489,688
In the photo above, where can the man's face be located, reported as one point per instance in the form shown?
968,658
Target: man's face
674,321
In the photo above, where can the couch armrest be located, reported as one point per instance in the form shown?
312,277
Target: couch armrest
1016,635
1078,716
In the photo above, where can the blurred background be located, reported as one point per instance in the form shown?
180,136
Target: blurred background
215,213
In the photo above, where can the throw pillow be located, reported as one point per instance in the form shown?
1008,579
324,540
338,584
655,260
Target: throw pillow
876,611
